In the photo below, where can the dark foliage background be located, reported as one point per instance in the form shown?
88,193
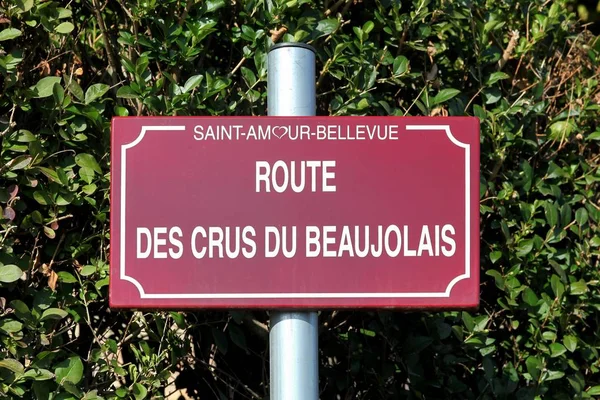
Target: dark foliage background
528,69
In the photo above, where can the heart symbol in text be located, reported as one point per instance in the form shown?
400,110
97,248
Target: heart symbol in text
280,131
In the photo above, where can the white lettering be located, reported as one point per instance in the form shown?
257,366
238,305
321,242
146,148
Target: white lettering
448,240
271,230
175,242
425,242
328,175
328,240
312,239
144,232
281,175
159,242
407,251
346,243
262,177
280,165
215,239
288,253
247,234
392,229
198,230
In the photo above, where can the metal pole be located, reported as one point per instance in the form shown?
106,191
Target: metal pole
293,338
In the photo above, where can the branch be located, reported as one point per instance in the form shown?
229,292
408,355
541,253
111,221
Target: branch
112,61
238,66
185,12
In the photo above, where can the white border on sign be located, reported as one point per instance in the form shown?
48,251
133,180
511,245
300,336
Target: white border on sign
446,293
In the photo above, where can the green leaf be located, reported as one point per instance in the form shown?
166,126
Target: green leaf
69,370
62,176
326,26
43,299
95,91
498,278
551,212
43,88
468,321
25,136
72,388
554,171
38,374
481,323
581,216
121,111
59,94
214,5
101,283
19,162
64,13
530,297
66,396
17,389
192,83
50,174
220,340
570,343
178,318
534,366
552,375
87,174
495,256
53,313
557,349
9,326
578,288
21,310
126,92
248,33
42,198
139,391
88,161
237,336
400,65
557,287
89,189
49,232
64,28
9,33
88,270
495,77
249,76
561,129
76,90
10,273
549,335
593,136
593,391
24,5
66,277
492,95
12,365
443,96
559,270
525,247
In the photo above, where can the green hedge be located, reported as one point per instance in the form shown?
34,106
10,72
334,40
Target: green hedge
527,69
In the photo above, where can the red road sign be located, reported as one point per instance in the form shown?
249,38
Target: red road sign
295,212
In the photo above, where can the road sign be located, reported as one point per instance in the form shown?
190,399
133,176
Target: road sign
295,212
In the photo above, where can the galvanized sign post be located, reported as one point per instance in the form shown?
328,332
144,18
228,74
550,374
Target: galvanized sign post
293,338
